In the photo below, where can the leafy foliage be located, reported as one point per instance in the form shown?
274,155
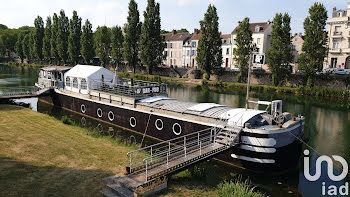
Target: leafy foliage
62,36
26,46
209,55
103,44
38,38
314,46
87,42
54,37
2,26
244,48
74,37
47,39
19,46
132,35
237,189
117,45
280,55
151,42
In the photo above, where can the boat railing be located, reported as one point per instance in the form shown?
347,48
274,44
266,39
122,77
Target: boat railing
130,88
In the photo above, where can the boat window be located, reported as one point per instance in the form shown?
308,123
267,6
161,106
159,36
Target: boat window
99,112
159,124
75,82
111,116
83,108
132,122
83,84
68,81
177,129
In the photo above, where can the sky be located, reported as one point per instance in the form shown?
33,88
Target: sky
175,14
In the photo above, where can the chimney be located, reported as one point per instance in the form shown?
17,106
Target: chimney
174,31
239,22
196,31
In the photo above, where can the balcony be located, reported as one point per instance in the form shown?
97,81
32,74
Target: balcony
335,50
337,34
347,50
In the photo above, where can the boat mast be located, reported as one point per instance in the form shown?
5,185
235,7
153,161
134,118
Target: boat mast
248,82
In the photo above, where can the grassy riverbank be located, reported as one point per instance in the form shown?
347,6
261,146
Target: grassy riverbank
41,156
300,91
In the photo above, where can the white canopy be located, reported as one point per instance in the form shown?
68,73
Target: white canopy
239,116
88,74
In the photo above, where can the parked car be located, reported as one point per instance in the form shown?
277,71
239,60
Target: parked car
236,69
258,70
341,71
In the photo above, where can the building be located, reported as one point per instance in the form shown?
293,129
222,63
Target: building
339,39
261,36
190,50
174,46
226,51
297,45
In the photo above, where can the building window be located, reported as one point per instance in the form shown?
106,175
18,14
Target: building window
171,45
68,81
75,82
171,54
337,29
258,41
188,52
193,53
166,53
334,62
174,61
336,42
258,28
194,44
83,84
293,48
228,51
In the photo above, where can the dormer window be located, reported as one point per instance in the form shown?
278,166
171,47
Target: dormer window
258,28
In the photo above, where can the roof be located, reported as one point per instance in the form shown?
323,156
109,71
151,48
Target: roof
225,36
176,36
196,36
252,26
85,71
58,68
235,116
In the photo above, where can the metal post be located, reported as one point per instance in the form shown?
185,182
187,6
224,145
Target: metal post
248,84
146,171
185,145
151,154
169,148
198,138
130,161
167,160
200,147
211,134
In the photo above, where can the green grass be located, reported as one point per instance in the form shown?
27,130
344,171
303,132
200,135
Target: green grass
237,189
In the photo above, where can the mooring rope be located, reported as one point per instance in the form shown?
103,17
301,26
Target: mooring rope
144,134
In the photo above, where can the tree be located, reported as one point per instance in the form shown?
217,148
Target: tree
47,39
314,46
244,48
38,38
26,46
132,35
2,26
209,52
74,38
151,42
54,39
19,46
117,45
279,56
62,36
8,39
87,42
103,44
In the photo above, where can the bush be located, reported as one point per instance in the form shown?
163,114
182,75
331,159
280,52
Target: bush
205,82
237,189
206,76
67,120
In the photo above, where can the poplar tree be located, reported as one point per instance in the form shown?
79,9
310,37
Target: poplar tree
38,38
19,46
132,35
151,41
62,36
103,44
279,56
244,48
87,42
53,41
117,45
74,38
314,48
26,46
47,39
209,52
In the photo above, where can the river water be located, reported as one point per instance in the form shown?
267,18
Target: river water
327,125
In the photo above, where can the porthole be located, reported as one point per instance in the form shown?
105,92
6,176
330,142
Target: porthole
83,108
177,129
111,116
132,122
159,124
99,112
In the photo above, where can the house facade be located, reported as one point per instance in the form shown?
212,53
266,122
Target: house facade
339,39
189,50
261,34
173,49
226,51
297,45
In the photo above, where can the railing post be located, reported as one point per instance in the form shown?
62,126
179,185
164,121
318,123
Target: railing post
185,145
198,138
146,171
130,161
211,134
151,154
167,160
200,147
169,148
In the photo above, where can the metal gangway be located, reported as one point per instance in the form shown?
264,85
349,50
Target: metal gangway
166,157
20,92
